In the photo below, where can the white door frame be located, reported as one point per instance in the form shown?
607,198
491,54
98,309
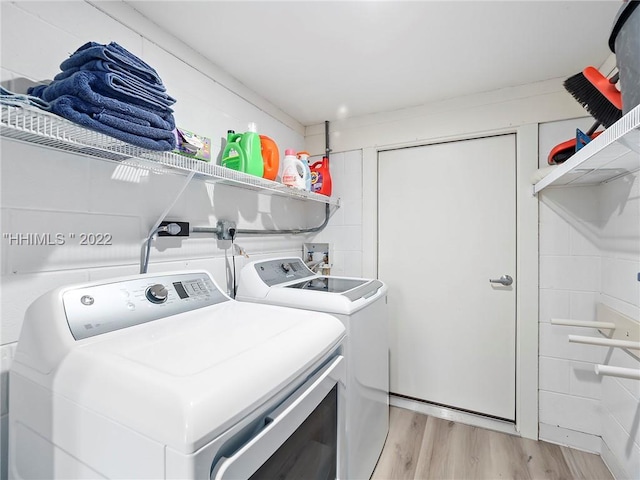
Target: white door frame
526,258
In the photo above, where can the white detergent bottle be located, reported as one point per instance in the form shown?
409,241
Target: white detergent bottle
292,170
304,158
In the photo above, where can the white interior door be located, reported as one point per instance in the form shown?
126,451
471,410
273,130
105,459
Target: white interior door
446,226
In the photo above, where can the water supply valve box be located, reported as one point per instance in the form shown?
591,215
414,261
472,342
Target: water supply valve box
316,257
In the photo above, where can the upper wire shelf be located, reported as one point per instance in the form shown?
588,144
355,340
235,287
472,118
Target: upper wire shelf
613,154
35,126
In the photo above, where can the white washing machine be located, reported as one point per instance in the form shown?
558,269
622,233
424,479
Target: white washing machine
163,376
361,305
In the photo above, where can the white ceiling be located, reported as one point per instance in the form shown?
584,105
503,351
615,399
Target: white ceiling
321,60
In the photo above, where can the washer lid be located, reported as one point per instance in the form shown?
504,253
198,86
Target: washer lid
185,379
287,281
329,284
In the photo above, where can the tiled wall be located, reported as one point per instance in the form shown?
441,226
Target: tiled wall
619,203
344,232
589,253
46,191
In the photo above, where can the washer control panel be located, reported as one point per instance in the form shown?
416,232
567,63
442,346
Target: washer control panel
106,307
275,272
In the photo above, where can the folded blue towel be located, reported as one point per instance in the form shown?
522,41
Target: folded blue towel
8,97
157,119
37,90
74,109
110,67
139,126
86,85
124,83
108,89
128,85
112,53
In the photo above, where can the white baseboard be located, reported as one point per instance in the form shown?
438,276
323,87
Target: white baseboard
570,438
453,415
612,463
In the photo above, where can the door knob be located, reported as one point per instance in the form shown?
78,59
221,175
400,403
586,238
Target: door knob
505,280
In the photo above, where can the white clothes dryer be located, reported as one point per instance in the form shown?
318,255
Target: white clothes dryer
361,305
164,376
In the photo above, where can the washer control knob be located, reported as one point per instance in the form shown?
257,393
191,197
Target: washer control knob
157,293
286,267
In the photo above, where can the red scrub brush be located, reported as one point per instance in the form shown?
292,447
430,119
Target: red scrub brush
597,94
565,150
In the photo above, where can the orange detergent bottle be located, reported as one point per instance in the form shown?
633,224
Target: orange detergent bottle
270,157
320,177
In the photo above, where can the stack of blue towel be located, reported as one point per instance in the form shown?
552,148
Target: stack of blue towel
110,90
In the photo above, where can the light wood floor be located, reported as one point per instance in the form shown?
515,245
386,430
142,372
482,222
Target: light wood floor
424,447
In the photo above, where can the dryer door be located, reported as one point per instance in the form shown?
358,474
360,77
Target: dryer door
301,438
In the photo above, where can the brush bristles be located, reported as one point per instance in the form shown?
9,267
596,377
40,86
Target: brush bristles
592,100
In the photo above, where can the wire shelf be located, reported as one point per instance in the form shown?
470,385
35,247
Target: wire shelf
35,126
613,154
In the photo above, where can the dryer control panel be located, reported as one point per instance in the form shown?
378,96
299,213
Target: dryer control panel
275,272
100,308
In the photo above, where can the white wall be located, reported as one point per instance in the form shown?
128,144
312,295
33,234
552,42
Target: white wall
47,191
344,231
470,115
517,109
589,253
619,204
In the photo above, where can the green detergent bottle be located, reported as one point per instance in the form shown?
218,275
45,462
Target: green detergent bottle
233,156
243,152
